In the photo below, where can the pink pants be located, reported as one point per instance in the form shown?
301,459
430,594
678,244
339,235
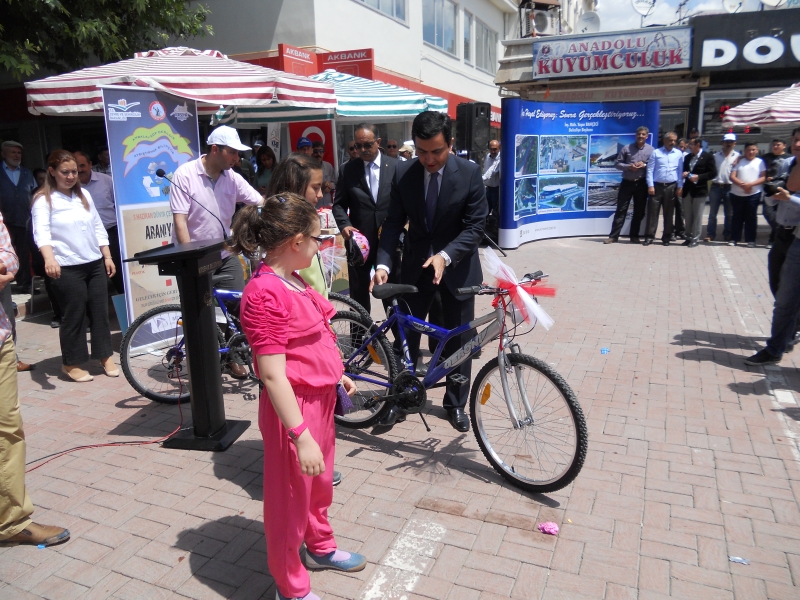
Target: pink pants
296,505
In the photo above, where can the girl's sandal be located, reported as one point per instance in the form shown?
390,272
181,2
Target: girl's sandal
76,374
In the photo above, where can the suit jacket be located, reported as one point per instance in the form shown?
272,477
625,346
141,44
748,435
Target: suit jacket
353,195
457,225
705,169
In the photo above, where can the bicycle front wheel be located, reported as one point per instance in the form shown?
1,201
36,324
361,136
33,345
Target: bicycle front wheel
546,450
370,368
153,358
345,303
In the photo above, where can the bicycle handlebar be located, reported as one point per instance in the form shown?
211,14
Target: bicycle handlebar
485,289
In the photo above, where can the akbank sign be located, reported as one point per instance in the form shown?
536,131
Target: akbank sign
747,41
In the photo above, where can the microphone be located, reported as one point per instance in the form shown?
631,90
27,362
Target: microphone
161,173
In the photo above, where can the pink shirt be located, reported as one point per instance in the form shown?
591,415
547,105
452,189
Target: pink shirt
277,320
218,197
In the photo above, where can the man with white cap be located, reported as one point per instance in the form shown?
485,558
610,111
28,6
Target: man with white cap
721,188
16,186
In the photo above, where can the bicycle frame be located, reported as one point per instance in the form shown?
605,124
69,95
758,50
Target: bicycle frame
221,297
495,327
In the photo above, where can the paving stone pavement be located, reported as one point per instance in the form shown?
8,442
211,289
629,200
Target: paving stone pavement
693,457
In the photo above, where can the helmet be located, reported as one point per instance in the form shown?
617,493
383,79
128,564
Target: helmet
357,249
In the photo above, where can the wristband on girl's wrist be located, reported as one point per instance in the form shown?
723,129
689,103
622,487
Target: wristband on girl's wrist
295,432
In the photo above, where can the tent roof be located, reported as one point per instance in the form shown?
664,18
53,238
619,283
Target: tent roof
356,99
209,77
780,107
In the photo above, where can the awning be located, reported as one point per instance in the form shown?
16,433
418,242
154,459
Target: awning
779,108
356,99
209,77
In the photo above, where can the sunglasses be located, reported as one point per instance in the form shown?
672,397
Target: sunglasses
318,151
351,148
321,239
364,146
391,147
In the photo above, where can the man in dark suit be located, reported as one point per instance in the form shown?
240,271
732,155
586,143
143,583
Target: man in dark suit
699,167
363,189
443,199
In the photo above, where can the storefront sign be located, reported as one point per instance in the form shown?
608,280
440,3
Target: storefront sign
360,63
747,41
560,180
296,60
670,93
612,54
163,136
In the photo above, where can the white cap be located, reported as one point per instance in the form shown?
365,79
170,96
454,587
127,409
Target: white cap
226,136
729,137
409,143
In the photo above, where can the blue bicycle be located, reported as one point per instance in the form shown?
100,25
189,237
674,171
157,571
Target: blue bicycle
153,354
526,419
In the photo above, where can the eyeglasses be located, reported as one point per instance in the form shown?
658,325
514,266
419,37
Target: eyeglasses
391,147
318,151
364,146
320,239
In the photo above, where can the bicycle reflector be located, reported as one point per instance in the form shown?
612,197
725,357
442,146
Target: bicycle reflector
373,354
487,391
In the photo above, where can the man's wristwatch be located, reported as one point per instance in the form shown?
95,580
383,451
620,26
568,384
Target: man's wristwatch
295,432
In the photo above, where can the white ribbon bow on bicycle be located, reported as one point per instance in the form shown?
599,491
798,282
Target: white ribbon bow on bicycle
505,278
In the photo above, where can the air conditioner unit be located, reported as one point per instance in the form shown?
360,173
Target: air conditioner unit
543,22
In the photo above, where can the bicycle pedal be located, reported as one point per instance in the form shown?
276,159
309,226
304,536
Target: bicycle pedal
457,379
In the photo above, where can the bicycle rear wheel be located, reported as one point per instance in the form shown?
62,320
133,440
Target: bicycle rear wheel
153,358
546,452
346,303
375,362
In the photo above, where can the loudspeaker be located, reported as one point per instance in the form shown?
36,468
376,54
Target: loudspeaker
472,126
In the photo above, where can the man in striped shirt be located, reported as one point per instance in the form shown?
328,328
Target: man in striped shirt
16,526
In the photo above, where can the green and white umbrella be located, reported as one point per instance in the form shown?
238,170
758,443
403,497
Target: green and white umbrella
356,99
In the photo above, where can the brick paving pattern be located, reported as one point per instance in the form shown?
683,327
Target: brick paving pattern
693,458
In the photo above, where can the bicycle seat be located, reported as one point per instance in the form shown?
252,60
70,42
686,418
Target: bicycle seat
392,290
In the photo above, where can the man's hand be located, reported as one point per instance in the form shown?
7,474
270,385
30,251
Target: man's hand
5,279
651,191
679,193
685,174
694,178
783,194
379,278
347,232
438,267
747,188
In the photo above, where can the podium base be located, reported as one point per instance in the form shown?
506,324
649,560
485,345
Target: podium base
220,441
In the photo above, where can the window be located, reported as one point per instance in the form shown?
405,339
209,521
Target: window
467,37
485,48
439,24
393,8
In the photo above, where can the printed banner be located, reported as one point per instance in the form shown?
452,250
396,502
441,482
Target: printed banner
321,131
636,51
557,174
147,131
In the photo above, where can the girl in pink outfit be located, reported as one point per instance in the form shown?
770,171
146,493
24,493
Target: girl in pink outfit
297,359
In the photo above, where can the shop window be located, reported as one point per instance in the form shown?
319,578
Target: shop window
714,105
394,8
467,37
439,24
672,120
485,48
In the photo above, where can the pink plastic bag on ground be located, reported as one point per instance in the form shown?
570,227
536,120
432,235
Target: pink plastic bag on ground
549,528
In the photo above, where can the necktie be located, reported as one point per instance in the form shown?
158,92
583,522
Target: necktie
431,198
373,182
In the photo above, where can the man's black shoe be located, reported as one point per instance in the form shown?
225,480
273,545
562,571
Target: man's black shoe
665,242
635,240
673,238
694,244
395,415
458,419
686,243
647,242
762,357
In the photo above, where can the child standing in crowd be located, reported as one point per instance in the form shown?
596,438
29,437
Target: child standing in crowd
287,325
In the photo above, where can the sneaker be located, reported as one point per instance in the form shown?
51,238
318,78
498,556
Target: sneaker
731,243
349,562
337,478
751,245
610,241
762,357
308,596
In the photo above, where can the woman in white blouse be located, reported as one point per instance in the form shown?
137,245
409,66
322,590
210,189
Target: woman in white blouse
74,245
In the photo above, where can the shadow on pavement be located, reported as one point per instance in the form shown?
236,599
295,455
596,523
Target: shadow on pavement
725,349
226,554
243,465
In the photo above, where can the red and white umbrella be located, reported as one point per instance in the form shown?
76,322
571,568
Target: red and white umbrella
209,77
780,107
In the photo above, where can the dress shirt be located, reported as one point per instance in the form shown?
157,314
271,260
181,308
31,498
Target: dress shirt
217,199
724,166
9,260
13,174
491,171
665,167
632,154
788,213
74,233
374,168
427,180
101,187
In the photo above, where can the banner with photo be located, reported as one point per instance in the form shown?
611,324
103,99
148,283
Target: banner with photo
558,177
147,131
